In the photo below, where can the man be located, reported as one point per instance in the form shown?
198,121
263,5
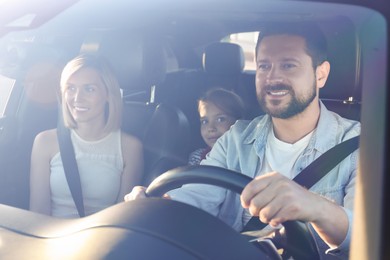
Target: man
274,148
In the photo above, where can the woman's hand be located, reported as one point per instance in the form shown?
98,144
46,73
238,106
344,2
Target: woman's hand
138,192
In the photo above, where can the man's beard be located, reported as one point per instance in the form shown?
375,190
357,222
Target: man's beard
294,107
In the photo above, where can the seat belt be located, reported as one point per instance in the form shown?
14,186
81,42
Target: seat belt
70,165
315,171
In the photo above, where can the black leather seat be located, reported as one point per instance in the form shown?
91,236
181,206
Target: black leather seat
223,64
166,141
164,132
342,92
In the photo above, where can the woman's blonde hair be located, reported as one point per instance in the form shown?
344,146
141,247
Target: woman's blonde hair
100,65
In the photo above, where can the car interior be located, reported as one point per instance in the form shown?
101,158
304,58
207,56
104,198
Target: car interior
164,67
167,125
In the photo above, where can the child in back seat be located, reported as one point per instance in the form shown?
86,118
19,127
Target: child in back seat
218,110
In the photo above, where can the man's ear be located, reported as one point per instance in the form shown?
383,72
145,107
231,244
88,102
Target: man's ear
322,73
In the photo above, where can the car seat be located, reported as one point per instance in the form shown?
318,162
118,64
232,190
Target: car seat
342,92
140,64
166,141
223,65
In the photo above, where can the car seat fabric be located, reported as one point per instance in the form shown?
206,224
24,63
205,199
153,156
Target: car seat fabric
166,141
342,92
230,55
136,117
223,65
164,132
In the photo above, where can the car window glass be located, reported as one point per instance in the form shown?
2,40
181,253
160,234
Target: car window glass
6,85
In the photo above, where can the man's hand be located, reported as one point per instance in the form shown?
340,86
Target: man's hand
276,199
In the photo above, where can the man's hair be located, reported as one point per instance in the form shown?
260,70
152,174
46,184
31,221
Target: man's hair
228,101
100,65
316,45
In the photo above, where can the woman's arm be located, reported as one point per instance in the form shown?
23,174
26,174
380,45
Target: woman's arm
133,159
45,144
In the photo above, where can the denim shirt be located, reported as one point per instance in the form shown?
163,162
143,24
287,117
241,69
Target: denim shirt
242,149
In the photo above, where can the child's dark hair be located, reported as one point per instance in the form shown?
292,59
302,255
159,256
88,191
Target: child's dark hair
228,101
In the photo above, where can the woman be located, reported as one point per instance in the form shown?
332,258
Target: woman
110,162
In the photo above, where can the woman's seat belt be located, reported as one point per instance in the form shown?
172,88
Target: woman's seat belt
70,165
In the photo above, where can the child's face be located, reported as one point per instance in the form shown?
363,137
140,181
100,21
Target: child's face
213,122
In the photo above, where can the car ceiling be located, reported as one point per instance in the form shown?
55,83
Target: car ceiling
211,20
227,16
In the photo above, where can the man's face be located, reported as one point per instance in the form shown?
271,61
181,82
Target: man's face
285,77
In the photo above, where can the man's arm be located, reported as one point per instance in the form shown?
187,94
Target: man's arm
276,199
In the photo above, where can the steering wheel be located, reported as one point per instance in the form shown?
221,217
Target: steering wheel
299,242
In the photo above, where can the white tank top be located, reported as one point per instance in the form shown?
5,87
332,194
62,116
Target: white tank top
100,165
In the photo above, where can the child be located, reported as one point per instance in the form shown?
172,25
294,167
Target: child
218,110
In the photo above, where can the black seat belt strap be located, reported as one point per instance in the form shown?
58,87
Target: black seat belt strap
326,162
315,171
70,166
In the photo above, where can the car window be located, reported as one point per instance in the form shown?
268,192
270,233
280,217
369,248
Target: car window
247,40
6,85
7,65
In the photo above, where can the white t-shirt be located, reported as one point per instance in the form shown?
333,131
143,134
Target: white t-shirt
280,157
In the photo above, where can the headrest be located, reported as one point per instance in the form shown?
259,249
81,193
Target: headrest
139,61
343,55
223,58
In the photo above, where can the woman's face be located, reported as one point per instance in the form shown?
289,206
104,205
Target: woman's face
213,122
86,97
